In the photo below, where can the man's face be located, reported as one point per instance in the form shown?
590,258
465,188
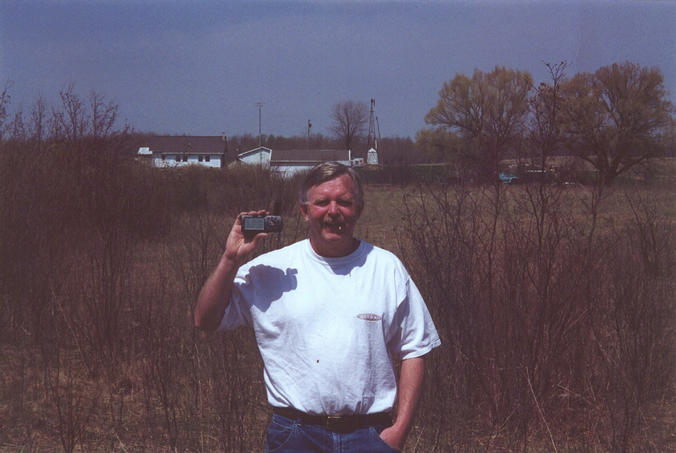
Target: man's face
332,213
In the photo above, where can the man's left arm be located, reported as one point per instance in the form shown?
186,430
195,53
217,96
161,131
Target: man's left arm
410,386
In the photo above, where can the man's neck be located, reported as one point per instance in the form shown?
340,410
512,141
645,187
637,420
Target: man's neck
337,250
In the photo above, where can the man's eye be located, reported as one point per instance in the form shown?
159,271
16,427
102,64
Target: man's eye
345,202
321,202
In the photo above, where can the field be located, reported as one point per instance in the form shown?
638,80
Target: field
555,305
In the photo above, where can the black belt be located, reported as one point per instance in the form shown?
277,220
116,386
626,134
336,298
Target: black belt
336,423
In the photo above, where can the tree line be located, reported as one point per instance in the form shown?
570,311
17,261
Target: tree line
613,119
76,119
555,305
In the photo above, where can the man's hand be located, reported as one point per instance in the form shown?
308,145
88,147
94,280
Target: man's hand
393,437
238,247
410,385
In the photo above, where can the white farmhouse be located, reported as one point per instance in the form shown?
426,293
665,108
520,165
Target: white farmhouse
176,151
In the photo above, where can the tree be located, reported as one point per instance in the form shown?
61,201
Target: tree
437,145
396,151
617,117
18,130
349,121
546,106
4,102
487,110
70,122
103,115
37,125
77,120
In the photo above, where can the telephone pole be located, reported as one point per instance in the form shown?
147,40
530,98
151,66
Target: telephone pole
260,136
309,126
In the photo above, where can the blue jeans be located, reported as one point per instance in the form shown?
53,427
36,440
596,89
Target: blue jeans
286,435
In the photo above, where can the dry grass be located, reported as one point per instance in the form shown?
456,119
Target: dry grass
543,296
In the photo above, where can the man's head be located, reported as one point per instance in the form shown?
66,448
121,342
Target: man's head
331,201
330,170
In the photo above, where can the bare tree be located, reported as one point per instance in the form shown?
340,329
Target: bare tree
349,121
617,117
546,113
488,110
76,119
17,128
103,115
37,125
4,101
70,122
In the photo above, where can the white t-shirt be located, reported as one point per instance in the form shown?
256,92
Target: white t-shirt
328,327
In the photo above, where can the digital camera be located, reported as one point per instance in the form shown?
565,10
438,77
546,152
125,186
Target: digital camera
252,224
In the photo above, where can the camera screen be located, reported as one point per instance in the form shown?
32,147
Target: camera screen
254,223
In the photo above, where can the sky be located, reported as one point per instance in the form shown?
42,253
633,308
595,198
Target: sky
202,67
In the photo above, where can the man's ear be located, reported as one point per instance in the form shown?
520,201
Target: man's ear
302,207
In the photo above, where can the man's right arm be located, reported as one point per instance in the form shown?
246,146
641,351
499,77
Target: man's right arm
215,294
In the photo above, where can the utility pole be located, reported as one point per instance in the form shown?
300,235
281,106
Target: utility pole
225,149
309,126
260,136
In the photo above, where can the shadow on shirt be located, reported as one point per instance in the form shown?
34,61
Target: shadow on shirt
270,283
341,268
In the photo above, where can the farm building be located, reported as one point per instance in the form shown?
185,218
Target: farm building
288,162
211,151
174,151
256,156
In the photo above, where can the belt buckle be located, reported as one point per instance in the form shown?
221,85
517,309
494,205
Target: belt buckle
339,423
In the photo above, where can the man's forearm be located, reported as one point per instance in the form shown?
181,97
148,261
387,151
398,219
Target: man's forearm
410,386
215,295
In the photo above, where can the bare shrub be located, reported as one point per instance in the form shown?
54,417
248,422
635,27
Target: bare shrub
631,324
554,304
554,337
68,392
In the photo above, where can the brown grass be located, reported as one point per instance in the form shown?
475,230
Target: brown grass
554,303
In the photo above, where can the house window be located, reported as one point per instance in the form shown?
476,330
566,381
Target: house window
200,158
185,158
178,158
164,157
207,158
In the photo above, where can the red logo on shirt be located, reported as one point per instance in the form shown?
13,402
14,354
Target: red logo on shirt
369,317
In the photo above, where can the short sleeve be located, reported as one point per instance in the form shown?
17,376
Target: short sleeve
413,333
237,312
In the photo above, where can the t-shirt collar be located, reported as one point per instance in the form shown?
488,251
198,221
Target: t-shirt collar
337,261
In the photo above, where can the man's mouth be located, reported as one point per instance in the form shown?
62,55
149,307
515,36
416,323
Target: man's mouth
339,227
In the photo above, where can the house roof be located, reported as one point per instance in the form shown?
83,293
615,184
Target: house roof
184,144
308,156
254,151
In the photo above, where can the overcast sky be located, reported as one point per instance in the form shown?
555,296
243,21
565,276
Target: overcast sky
200,67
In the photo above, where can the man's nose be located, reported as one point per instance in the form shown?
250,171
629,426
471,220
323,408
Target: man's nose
333,208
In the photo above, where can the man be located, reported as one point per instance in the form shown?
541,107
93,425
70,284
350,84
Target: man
329,313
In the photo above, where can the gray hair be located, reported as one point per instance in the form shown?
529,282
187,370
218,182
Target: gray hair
326,171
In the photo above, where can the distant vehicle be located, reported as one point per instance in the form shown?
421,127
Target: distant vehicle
547,176
508,178
528,175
